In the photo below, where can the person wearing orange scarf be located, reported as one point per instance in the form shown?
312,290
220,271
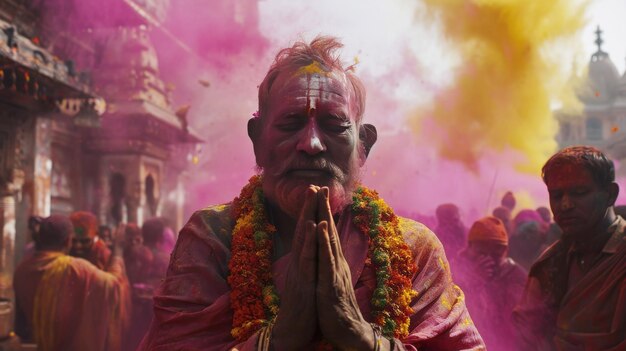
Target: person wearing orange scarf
492,281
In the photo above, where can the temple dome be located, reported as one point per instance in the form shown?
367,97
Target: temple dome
622,84
604,78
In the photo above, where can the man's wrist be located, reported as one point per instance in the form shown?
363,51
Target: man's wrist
363,337
374,339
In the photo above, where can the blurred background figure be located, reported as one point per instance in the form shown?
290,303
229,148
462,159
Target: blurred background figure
504,215
34,223
450,230
553,232
545,214
153,231
138,259
508,201
492,281
526,243
66,303
147,253
86,243
529,234
105,234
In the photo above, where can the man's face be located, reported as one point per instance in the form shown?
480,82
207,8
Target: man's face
578,204
134,240
485,248
309,135
81,244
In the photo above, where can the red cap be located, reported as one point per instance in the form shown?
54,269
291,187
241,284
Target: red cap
488,229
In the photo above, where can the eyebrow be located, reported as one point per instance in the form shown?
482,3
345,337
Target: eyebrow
337,116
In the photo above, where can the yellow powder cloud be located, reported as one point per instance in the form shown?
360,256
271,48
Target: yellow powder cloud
502,91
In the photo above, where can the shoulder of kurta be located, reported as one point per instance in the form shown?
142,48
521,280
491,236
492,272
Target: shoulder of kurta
418,236
426,248
546,255
84,269
204,241
211,222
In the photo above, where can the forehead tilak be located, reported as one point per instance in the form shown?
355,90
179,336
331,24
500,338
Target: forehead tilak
312,68
316,68
314,72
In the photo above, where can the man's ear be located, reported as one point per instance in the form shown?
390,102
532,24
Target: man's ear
613,192
254,131
253,128
368,136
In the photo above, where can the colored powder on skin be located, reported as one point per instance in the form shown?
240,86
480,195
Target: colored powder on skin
501,95
313,68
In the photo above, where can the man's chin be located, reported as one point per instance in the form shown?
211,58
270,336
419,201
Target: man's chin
289,193
574,232
307,178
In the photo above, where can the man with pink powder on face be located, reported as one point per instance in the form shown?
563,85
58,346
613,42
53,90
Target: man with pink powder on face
575,296
306,257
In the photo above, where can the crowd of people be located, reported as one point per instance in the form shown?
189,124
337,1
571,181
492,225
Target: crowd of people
308,258
491,258
81,286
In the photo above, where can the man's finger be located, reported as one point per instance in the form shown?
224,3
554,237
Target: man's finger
325,213
308,256
326,262
307,213
323,206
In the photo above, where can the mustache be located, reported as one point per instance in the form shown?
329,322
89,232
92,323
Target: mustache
299,163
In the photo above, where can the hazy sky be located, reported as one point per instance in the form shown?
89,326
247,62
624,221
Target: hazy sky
405,62
611,16
374,30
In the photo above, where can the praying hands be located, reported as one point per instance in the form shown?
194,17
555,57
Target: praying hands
319,298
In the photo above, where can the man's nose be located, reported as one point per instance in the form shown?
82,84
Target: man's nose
310,140
566,202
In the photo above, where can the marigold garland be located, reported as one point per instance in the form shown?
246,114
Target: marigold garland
253,295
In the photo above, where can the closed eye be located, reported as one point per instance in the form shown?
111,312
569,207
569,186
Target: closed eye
336,124
291,123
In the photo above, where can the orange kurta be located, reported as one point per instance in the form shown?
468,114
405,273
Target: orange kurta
66,303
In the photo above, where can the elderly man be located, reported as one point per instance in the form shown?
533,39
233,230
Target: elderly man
492,281
305,257
65,303
86,243
575,296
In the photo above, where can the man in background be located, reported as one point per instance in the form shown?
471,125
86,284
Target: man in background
575,296
86,243
65,303
493,283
